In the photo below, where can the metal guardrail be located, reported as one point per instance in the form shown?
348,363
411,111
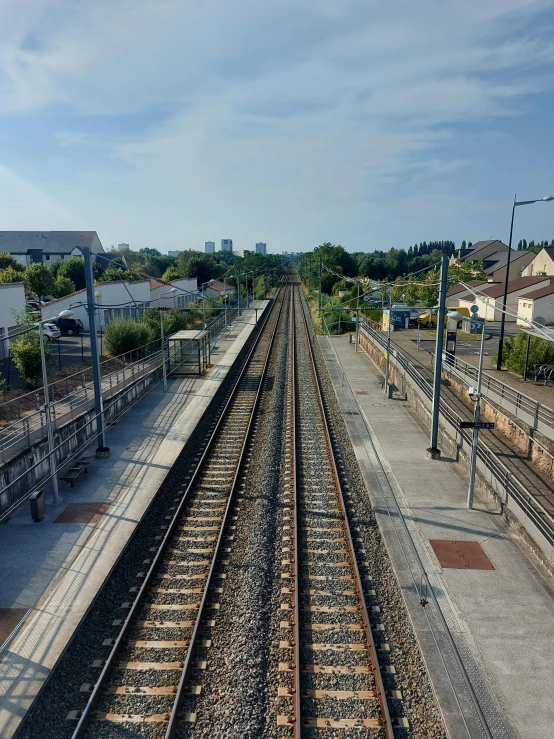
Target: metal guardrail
531,508
539,417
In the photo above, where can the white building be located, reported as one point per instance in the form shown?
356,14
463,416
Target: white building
542,264
186,291
46,247
537,304
122,246
217,289
112,299
209,247
261,248
12,300
226,244
490,305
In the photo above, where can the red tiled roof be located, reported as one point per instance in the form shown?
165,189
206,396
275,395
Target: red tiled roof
540,293
460,288
497,290
219,286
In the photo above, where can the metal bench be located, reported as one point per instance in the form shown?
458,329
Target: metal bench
72,473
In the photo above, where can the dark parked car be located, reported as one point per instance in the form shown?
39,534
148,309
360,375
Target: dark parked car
69,326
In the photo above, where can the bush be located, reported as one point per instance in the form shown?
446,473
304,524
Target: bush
10,275
124,334
74,269
541,351
39,280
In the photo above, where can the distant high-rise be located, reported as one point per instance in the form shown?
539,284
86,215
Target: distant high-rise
261,248
209,247
122,246
226,244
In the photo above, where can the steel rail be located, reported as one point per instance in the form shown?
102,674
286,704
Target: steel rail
179,696
380,688
86,714
297,708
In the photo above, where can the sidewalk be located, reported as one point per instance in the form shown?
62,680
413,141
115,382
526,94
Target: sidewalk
502,619
52,570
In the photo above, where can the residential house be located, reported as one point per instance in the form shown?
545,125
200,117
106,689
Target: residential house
537,304
479,251
489,299
112,299
217,289
542,264
12,300
496,265
46,247
186,291
458,292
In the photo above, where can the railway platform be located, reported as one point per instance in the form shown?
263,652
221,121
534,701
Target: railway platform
501,616
51,571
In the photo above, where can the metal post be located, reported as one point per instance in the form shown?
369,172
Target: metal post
505,298
164,369
387,358
51,457
527,357
433,452
476,418
319,293
238,290
358,318
102,450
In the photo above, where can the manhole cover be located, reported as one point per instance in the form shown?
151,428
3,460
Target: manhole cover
361,392
461,555
82,513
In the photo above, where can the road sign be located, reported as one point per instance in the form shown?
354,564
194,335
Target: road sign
474,308
487,425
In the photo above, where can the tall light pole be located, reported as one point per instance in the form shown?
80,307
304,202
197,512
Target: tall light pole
433,452
506,279
476,419
47,411
358,317
164,368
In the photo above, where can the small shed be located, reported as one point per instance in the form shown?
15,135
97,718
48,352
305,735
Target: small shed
189,352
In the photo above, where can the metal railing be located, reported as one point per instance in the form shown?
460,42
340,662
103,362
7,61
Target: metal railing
539,417
512,487
31,427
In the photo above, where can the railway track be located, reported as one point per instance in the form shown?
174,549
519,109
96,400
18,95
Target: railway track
154,669
330,673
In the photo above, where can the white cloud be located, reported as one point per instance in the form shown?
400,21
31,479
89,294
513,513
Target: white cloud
277,114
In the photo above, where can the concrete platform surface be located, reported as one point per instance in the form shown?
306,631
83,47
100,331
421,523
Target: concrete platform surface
52,571
505,616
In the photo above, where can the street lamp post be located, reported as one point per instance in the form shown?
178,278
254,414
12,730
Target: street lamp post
47,410
164,368
506,279
358,318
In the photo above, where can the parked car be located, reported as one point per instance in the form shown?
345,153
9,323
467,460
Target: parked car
69,326
51,331
30,307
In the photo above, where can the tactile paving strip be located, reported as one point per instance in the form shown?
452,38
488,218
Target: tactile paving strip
82,513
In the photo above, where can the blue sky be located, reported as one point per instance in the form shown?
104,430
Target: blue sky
369,124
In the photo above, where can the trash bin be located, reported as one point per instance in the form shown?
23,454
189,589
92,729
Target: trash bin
37,506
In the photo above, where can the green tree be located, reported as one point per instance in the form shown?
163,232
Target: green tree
114,273
541,351
465,272
63,286
74,269
39,279
10,275
174,320
171,273
26,350
6,260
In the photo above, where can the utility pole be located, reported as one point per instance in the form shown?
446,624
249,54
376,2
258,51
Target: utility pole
358,318
319,294
505,297
102,450
433,452
238,290
265,285
476,419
